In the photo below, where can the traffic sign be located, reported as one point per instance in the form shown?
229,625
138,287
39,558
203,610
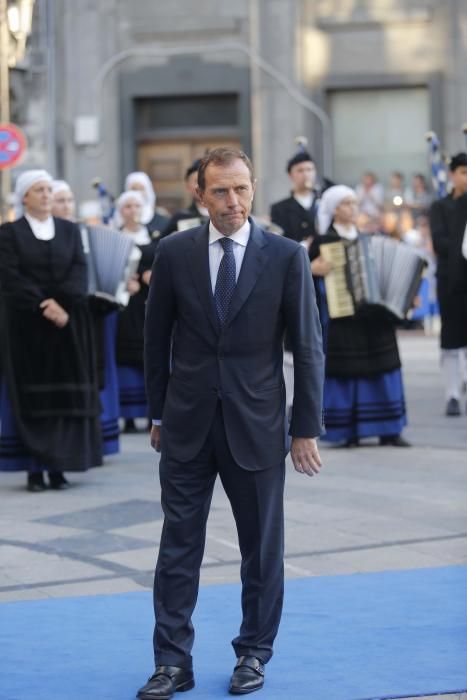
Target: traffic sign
12,145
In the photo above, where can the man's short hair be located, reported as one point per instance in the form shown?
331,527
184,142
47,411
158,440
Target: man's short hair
458,161
194,167
222,156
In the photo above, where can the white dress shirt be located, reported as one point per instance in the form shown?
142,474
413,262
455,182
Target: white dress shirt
305,200
464,244
216,251
42,230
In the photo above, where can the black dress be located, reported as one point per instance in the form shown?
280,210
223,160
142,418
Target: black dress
130,343
448,218
50,418
157,224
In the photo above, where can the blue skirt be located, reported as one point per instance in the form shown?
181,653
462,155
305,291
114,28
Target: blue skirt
364,407
14,456
132,391
109,394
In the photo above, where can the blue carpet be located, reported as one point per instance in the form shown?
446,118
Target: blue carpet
389,634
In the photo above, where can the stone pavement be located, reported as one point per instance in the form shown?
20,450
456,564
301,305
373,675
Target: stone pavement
370,509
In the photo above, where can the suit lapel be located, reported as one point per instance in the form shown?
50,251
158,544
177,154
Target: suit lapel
198,262
254,261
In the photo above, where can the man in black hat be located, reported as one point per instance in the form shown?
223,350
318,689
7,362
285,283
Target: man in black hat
448,224
296,215
195,214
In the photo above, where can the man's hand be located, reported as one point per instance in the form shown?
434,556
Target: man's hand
54,312
305,455
146,277
133,286
320,267
156,437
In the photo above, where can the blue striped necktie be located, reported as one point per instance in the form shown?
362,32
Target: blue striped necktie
226,280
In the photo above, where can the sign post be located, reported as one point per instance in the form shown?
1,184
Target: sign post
12,149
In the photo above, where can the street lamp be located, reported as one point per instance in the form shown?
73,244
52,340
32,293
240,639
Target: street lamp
19,18
15,26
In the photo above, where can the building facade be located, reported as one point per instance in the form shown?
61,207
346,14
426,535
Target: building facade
113,86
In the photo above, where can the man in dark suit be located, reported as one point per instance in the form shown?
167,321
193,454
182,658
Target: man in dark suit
296,214
447,223
221,297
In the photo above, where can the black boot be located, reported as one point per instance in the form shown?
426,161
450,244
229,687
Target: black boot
394,441
129,426
36,482
57,481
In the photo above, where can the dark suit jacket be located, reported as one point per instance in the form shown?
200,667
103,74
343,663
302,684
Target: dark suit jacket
447,223
296,221
240,363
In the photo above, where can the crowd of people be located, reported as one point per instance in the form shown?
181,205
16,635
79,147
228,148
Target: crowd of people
72,375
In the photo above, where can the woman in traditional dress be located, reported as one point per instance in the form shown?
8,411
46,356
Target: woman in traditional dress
363,394
130,334
155,220
50,401
104,318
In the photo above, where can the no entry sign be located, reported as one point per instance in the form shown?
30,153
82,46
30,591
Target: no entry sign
12,145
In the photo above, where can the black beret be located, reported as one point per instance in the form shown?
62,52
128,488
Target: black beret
194,167
300,157
457,161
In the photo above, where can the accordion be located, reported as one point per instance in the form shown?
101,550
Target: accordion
371,270
112,259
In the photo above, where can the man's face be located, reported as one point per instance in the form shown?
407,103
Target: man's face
459,179
303,175
228,195
63,205
38,200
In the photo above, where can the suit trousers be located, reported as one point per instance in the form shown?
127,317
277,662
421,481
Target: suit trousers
257,501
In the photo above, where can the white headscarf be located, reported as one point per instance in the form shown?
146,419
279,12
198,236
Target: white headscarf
142,236
60,186
329,202
125,196
149,194
24,183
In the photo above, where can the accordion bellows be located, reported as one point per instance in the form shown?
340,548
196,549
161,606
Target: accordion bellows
372,270
112,259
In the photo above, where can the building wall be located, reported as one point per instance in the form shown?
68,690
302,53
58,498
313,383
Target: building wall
107,53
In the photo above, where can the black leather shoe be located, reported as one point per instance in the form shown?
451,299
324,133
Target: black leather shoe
130,426
394,441
165,681
453,407
247,677
36,482
57,481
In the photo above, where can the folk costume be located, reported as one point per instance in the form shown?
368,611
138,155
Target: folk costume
49,403
363,390
130,331
448,222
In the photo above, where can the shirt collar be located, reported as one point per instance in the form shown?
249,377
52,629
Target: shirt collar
241,236
349,233
37,222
